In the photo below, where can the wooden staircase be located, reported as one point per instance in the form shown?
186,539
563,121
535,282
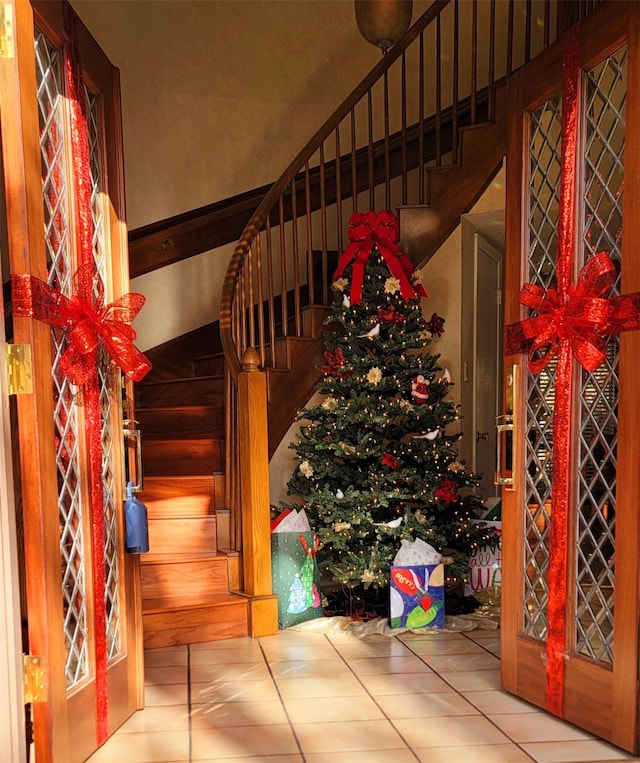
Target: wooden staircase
186,578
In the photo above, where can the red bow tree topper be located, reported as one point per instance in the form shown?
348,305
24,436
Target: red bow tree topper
367,230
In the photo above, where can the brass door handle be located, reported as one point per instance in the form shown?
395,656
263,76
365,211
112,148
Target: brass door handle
131,430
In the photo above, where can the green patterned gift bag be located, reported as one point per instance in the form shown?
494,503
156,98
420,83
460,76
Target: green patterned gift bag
296,578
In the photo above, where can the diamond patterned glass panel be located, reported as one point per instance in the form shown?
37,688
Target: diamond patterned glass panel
545,134
50,106
604,133
107,399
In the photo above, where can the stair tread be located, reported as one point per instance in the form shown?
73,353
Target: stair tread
181,380
177,408
185,602
168,558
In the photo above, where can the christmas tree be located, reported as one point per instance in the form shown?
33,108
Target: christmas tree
374,462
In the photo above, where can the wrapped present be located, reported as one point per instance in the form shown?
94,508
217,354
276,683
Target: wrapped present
485,566
416,596
296,578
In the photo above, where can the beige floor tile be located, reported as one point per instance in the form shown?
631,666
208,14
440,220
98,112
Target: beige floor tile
469,680
165,674
159,747
368,756
292,636
315,651
537,726
157,718
343,737
169,694
258,759
174,655
226,656
227,643
241,742
403,683
310,668
326,709
570,752
394,663
232,671
486,753
307,688
481,633
233,691
449,731
361,648
224,714
461,662
441,647
498,701
426,705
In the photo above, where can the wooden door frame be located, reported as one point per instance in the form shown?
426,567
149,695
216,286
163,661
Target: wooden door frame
12,719
617,24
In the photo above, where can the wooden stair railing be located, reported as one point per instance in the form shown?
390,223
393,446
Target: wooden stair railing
382,148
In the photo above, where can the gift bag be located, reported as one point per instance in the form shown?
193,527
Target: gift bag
296,578
416,596
485,565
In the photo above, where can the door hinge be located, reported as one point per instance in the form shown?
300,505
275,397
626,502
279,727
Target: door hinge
19,369
7,48
35,683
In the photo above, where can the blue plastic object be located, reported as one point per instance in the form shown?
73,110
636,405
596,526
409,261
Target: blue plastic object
136,522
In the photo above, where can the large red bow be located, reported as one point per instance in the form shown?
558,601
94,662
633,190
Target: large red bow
369,230
88,325
582,315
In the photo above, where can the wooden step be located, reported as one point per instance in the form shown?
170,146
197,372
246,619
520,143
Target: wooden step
182,457
190,621
181,423
172,575
209,365
176,535
201,390
191,496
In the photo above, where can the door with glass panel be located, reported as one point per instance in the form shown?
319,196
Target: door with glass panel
62,156
570,434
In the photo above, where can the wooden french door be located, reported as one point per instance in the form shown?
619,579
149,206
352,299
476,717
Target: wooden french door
570,597
82,588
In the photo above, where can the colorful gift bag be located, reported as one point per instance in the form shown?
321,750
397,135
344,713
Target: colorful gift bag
485,566
296,578
417,596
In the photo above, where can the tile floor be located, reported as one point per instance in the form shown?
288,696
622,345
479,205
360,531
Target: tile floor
301,696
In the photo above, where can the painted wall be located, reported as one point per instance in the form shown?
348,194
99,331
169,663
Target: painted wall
217,97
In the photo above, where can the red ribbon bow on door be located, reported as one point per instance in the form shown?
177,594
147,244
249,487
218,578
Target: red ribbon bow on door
87,324
583,316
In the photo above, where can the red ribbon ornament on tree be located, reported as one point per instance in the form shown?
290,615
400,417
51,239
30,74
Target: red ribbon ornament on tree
572,321
367,230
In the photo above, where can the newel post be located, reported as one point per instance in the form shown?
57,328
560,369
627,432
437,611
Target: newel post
254,496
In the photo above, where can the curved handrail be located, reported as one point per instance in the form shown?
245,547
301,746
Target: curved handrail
259,218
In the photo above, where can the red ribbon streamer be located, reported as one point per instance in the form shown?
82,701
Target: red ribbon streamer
82,187
366,231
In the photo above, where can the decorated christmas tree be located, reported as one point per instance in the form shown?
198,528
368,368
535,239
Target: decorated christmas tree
375,464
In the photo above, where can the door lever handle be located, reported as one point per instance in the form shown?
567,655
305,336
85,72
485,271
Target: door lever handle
131,430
